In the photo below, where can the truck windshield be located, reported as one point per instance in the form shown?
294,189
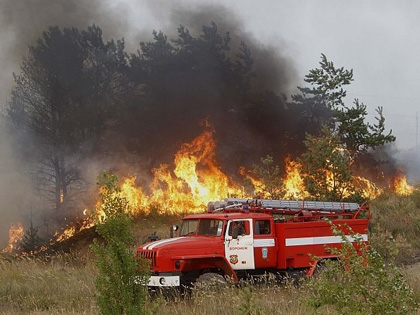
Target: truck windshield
207,227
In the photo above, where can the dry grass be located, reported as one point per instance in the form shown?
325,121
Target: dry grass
396,227
268,299
412,274
59,285
64,284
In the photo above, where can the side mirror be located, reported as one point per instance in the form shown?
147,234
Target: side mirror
174,228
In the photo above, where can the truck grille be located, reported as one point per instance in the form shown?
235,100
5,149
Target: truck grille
150,255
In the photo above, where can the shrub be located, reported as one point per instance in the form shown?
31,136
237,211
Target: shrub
121,283
360,282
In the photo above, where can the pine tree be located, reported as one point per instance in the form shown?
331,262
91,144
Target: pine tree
347,122
31,242
345,134
268,173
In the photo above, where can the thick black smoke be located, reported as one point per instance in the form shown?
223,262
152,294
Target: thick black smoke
273,70
247,125
22,23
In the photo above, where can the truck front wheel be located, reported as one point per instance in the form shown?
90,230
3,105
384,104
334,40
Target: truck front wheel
210,279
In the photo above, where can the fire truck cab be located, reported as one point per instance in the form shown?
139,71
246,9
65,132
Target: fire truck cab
237,238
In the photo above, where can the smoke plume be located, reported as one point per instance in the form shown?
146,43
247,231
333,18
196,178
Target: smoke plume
14,186
273,70
238,132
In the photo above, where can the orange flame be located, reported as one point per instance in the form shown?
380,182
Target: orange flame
295,188
16,233
66,234
293,182
258,185
196,178
368,188
401,187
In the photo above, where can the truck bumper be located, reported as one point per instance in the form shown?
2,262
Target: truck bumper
164,281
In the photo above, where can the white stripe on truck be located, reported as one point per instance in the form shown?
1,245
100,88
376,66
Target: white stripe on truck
157,243
299,241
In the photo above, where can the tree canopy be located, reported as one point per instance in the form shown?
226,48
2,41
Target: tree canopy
347,122
61,101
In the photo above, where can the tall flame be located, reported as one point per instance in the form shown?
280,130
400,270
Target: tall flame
401,187
16,233
195,180
293,182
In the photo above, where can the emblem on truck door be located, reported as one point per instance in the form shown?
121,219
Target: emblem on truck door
264,253
233,259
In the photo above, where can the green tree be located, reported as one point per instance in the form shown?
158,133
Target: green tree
121,283
327,168
31,242
347,122
271,185
345,134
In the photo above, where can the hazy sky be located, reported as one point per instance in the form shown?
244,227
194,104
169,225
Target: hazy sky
379,40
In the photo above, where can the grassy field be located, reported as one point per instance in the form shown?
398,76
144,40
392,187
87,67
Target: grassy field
65,283
61,284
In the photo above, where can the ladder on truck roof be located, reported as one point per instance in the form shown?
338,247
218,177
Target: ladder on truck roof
292,207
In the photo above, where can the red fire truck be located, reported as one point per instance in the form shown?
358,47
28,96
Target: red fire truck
238,238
